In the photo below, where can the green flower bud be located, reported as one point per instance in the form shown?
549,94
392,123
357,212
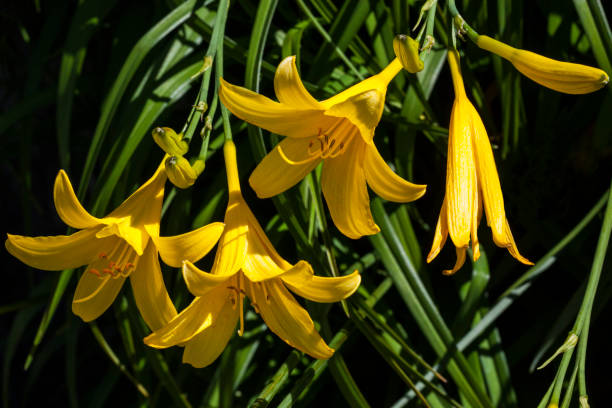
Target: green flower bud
407,51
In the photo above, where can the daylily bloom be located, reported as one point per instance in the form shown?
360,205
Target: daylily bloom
560,76
246,264
338,131
114,247
471,181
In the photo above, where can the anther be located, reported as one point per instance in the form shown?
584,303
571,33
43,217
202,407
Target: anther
102,255
95,272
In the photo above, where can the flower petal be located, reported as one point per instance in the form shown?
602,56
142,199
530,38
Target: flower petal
150,292
461,181
287,319
487,176
283,167
68,206
199,282
362,110
262,261
458,263
232,248
344,187
440,235
58,252
289,87
204,348
196,317
275,117
512,248
191,246
385,182
137,238
302,281
94,294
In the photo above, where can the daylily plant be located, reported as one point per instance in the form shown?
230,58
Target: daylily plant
246,264
113,248
471,181
338,131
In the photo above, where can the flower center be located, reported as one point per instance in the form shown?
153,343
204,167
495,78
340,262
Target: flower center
119,262
328,147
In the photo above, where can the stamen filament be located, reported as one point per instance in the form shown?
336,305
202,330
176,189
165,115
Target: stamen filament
241,303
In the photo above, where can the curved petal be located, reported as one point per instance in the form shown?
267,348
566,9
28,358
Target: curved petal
68,206
287,319
461,180
191,246
58,252
440,235
199,282
289,87
344,187
94,294
362,110
458,263
150,292
135,237
385,182
282,168
488,179
205,347
302,281
232,248
196,317
511,246
276,117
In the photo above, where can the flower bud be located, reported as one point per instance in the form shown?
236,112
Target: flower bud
560,76
407,51
169,141
181,173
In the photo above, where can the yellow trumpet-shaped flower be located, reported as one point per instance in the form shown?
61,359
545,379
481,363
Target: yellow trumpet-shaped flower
560,76
338,131
471,182
246,264
114,247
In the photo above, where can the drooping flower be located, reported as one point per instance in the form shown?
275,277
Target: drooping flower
560,76
246,264
338,131
471,182
114,247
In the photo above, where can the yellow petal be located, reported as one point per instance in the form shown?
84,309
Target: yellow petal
196,317
150,292
459,263
302,281
344,187
362,110
58,252
68,206
282,168
191,246
287,319
378,82
557,75
440,234
204,348
94,294
289,87
232,248
262,261
276,117
461,181
143,207
136,237
487,176
385,182
198,282
511,245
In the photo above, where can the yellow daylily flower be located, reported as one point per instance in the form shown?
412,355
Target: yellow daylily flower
114,247
471,182
246,264
560,76
338,131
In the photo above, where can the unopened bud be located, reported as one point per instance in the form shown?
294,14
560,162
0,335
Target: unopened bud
181,173
169,141
407,51
568,344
